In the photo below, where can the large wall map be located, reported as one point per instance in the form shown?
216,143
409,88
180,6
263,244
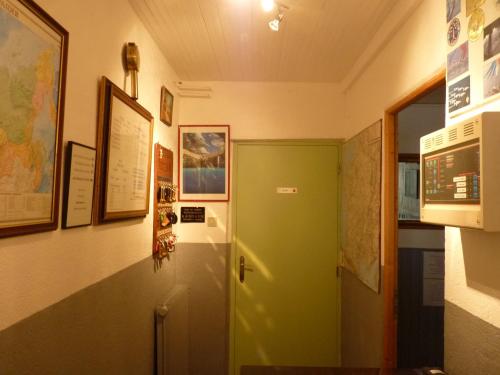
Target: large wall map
29,77
361,202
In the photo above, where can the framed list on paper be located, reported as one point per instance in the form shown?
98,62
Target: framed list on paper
123,160
204,163
78,186
33,83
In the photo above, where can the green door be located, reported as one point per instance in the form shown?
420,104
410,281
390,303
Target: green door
285,309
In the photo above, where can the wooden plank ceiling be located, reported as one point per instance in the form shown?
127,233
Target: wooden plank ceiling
229,40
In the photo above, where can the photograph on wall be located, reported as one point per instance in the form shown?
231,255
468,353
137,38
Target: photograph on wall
458,61
459,94
452,9
491,78
166,106
492,39
204,163
33,57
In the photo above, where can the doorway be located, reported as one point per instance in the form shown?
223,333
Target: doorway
420,291
413,324
285,292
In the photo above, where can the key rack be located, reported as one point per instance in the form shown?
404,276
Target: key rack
164,239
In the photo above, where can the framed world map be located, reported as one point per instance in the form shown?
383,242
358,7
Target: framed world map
33,57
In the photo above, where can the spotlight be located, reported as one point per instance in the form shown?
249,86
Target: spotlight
267,5
274,25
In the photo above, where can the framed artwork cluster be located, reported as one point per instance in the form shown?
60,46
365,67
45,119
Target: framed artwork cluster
102,184
473,58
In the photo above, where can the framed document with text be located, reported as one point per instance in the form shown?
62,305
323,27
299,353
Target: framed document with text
123,160
78,186
33,59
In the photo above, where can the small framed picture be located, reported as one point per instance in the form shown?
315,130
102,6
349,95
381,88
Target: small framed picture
166,106
78,185
204,163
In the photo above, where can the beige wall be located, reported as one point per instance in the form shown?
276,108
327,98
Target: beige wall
471,282
408,59
416,52
261,111
38,270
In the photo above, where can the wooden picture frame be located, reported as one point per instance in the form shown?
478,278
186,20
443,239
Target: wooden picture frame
409,190
123,160
166,106
31,144
204,163
78,192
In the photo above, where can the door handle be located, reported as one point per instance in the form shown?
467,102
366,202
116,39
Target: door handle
243,268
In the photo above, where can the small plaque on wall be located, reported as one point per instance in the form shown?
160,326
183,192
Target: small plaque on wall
78,185
192,214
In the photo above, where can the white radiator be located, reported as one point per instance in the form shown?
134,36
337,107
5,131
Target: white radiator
172,333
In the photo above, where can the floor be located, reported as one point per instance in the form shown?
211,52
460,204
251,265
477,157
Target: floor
270,370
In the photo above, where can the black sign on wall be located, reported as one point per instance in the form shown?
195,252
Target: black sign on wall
192,214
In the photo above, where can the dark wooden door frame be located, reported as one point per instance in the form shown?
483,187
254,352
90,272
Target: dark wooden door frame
390,215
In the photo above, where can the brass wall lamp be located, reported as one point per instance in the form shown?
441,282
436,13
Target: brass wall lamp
131,64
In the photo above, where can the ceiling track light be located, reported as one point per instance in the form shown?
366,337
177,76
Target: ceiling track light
274,24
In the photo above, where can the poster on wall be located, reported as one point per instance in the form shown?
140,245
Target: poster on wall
458,61
459,94
452,9
33,58
491,78
204,163
492,39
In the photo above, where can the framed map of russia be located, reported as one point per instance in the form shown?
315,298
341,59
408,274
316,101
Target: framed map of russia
33,57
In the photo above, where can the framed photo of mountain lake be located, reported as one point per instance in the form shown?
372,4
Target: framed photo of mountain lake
204,163
33,59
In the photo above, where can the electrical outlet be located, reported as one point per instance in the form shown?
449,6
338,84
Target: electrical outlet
212,222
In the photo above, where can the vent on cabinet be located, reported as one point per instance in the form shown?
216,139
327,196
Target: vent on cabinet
438,140
428,143
452,135
469,129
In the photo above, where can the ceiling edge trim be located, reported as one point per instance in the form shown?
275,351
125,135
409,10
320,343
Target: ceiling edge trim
397,17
